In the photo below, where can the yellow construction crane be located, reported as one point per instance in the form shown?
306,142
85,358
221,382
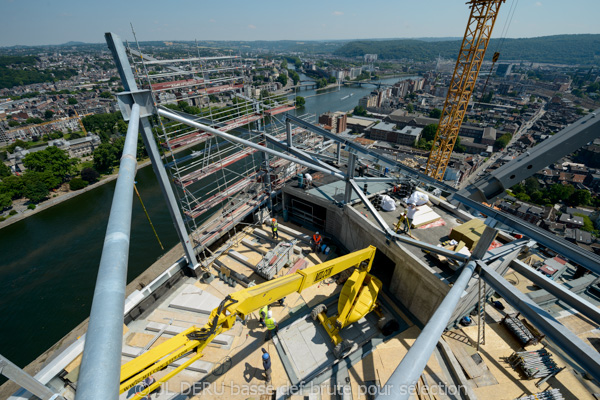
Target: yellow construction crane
472,50
80,122
358,297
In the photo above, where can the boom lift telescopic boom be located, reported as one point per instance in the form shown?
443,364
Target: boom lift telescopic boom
237,305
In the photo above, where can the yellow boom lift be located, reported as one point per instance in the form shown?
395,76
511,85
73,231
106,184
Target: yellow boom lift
474,44
358,297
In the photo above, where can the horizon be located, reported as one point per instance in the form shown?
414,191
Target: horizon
39,23
428,38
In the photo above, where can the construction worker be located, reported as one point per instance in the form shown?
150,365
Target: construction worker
410,215
274,228
272,326
317,240
308,178
266,359
262,313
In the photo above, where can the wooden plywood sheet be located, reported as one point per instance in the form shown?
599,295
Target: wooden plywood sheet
463,355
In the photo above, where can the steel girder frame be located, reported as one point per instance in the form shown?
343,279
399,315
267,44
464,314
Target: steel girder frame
559,291
356,148
125,72
386,230
573,346
565,142
573,252
472,50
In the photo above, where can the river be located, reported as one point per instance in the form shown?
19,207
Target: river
49,261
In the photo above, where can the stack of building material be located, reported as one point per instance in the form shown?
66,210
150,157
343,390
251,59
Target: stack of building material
425,215
194,299
534,364
553,394
470,232
276,259
519,330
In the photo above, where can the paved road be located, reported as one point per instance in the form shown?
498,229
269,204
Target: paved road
479,172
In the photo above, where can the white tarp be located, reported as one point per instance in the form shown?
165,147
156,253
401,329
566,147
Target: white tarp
418,198
387,203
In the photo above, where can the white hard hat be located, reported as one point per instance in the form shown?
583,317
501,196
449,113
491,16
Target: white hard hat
269,314
316,233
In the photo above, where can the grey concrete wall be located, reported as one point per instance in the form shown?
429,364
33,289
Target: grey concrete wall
414,283
418,287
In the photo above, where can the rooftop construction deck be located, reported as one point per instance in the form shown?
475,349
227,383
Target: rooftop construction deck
444,276
301,352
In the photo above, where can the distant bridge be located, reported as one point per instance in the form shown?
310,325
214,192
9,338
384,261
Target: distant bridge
360,83
305,85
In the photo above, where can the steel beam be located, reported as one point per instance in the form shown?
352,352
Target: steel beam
581,353
175,117
402,382
307,156
565,142
349,176
371,208
288,134
368,179
118,51
99,375
26,381
372,154
573,252
558,290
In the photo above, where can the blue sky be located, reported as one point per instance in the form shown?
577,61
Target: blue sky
34,22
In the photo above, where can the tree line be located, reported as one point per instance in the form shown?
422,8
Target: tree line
564,49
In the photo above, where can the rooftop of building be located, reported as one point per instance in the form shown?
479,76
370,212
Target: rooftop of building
385,126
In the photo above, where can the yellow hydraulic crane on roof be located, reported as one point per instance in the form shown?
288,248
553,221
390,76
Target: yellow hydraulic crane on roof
472,50
355,302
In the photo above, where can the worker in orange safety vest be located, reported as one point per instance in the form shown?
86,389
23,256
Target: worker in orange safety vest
317,240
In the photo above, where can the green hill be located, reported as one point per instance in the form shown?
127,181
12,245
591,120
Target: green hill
564,49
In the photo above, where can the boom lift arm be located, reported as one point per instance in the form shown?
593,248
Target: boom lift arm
239,304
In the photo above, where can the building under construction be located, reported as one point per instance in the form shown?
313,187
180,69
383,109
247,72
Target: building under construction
448,304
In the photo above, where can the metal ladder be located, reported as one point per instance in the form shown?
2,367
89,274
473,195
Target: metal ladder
481,313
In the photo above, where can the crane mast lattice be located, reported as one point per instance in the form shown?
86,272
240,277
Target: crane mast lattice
472,50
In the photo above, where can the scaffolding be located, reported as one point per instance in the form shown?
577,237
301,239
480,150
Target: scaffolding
217,182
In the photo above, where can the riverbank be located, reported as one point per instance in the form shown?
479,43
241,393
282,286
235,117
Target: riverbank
58,197
66,194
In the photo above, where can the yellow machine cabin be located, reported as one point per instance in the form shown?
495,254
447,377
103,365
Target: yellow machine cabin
358,297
